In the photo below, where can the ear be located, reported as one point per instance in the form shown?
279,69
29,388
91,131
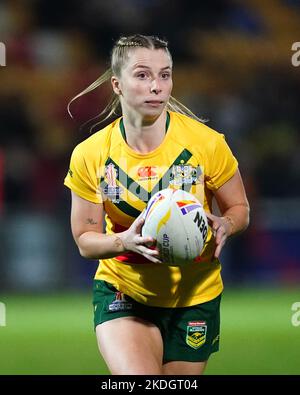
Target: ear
116,85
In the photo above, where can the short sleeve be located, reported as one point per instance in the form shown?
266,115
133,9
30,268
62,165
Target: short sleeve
82,177
221,165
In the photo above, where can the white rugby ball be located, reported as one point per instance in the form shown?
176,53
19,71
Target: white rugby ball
177,221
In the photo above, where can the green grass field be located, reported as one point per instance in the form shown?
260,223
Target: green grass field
54,334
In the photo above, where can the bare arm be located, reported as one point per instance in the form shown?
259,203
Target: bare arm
87,230
233,204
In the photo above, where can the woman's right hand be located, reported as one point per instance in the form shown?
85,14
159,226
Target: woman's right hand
133,241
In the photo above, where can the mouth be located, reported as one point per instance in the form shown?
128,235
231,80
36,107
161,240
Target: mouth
154,102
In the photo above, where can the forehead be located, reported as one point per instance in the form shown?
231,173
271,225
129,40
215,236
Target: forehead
152,58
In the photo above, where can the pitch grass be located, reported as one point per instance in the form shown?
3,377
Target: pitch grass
53,334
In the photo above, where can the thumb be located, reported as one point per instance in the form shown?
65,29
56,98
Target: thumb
139,224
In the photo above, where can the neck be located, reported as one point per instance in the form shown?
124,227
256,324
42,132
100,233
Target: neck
144,134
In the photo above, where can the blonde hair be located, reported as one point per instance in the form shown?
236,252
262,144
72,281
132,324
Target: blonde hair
119,56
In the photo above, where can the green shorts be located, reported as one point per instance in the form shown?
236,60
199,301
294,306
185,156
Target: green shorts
188,333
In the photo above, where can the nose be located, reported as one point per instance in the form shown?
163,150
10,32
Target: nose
155,87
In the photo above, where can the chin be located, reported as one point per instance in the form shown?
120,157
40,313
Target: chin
152,112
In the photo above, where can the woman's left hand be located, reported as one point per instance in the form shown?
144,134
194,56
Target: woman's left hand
221,229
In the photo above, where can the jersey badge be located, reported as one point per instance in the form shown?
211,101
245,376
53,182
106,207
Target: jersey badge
112,190
184,174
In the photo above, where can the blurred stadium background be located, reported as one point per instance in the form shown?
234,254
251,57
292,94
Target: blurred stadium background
233,67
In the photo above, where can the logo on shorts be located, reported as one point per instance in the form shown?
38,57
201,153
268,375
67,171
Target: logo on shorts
215,340
120,303
196,334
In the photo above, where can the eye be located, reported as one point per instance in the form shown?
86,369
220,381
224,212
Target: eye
142,75
165,76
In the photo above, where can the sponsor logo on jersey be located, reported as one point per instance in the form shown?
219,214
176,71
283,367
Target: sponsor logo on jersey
196,334
147,172
183,174
120,303
112,190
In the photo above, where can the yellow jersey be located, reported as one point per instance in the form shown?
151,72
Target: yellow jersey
104,169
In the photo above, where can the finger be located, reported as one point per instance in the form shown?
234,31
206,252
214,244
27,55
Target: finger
144,250
152,255
210,218
218,251
141,215
219,248
215,225
152,259
220,234
148,241
151,243
215,230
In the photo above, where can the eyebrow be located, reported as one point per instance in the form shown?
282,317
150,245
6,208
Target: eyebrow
140,66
